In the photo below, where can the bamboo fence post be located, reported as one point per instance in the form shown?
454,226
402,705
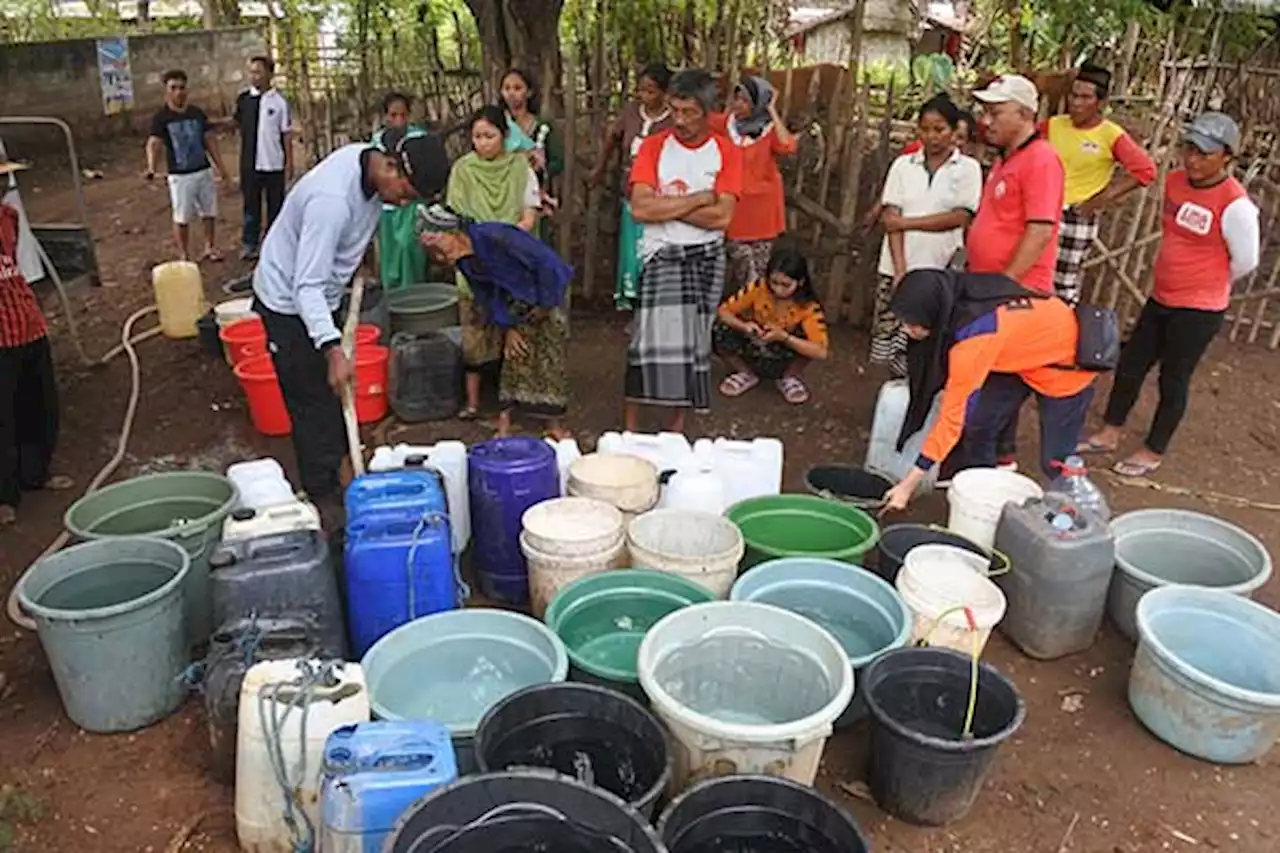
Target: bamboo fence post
568,180
851,169
834,142
597,105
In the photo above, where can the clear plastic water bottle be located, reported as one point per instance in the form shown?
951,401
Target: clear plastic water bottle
1073,482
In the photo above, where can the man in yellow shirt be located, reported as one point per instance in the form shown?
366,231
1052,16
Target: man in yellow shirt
1090,146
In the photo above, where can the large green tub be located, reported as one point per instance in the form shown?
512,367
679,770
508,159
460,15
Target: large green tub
802,526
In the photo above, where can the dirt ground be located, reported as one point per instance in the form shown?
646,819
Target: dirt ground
1082,775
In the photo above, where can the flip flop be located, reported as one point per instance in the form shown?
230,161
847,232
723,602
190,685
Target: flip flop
793,390
737,384
59,483
213,256
1133,468
1091,446
468,413
8,515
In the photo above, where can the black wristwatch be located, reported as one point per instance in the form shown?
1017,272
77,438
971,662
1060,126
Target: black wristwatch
329,345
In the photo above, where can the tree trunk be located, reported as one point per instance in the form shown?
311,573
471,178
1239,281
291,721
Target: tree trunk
1013,15
519,33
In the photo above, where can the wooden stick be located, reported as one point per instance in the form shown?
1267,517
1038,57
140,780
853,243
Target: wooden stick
348,393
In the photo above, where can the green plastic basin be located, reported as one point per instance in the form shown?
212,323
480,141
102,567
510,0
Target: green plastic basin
802,526
602,620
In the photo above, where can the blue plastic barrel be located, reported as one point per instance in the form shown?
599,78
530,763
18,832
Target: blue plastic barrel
410,489
399,566
373,772
507,476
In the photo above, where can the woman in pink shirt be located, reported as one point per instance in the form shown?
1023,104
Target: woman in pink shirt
1210,239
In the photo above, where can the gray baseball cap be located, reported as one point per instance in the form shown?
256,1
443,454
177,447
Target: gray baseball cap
1212,132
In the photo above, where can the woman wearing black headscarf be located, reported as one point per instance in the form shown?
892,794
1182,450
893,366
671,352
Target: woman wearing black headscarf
752,124
987,343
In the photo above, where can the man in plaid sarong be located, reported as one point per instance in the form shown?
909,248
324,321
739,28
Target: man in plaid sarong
1090,147
685,182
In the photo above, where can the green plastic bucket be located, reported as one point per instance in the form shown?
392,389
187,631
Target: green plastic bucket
185,507
110,619
802,526
602,620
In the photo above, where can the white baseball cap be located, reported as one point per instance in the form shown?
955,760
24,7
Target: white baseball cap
1011,88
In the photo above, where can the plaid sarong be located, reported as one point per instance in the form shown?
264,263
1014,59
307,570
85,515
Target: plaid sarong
1075,237
669,358
888,340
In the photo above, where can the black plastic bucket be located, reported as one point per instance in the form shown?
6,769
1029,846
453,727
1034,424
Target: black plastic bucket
921,769
897,540
761,814
593,734
848,484
518,811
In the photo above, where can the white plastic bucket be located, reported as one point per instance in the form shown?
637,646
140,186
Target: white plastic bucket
233,310
977,497
701,547
744,688
938,578
625,481
572,527
549,573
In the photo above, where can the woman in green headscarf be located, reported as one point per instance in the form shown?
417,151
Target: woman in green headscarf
490,184
402,260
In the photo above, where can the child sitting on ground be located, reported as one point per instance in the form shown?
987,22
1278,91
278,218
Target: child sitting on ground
772,329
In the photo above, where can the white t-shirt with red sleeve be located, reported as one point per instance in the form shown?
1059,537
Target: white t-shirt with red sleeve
674,168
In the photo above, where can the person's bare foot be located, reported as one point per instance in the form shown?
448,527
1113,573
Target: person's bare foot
1105,440
8,515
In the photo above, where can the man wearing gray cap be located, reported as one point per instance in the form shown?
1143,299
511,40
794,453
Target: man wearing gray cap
1210,239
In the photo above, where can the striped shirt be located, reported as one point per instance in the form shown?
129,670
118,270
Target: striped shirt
21,322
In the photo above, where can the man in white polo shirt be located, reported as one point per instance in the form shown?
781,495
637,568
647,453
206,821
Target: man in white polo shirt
266,155
308,257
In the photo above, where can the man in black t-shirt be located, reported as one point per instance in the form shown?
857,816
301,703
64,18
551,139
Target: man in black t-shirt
184,133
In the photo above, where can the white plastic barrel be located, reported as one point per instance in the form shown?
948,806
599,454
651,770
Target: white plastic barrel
936,579
450,459
744,688
697,485
272,689
666,450
977,497
883,456
626,481
567,452
549,573
701,547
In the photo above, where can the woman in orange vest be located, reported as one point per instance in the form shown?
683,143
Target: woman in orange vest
989,343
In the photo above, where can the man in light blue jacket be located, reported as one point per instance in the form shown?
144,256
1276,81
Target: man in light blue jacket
309,256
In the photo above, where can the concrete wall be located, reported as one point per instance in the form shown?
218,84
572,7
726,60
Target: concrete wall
61,79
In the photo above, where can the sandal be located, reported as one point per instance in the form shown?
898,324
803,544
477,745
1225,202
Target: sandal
737,384
58,483
8,515
213,256
1136,467
1091,445
793,390
468,413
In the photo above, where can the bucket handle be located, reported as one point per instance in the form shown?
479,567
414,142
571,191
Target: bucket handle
451,832
996,554
972,624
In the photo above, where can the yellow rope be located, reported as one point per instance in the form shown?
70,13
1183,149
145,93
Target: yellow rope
967,731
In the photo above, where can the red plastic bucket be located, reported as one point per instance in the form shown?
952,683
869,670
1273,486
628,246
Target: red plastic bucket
257,377
368,333
252,349
236,336
371,383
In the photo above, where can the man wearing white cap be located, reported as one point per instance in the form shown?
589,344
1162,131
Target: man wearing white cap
1015,231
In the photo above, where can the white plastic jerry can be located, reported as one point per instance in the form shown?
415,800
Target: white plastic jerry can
749,469
450,459
567,452
260,483
245,523
668,451
883,456
697,485
328,695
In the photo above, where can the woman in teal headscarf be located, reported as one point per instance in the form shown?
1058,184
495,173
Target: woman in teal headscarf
401,258
529,134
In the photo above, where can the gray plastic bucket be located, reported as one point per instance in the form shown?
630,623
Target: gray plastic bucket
185,507
452,667
110,618
1160,547
422,308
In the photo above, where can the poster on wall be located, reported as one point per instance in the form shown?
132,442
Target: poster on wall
115,74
